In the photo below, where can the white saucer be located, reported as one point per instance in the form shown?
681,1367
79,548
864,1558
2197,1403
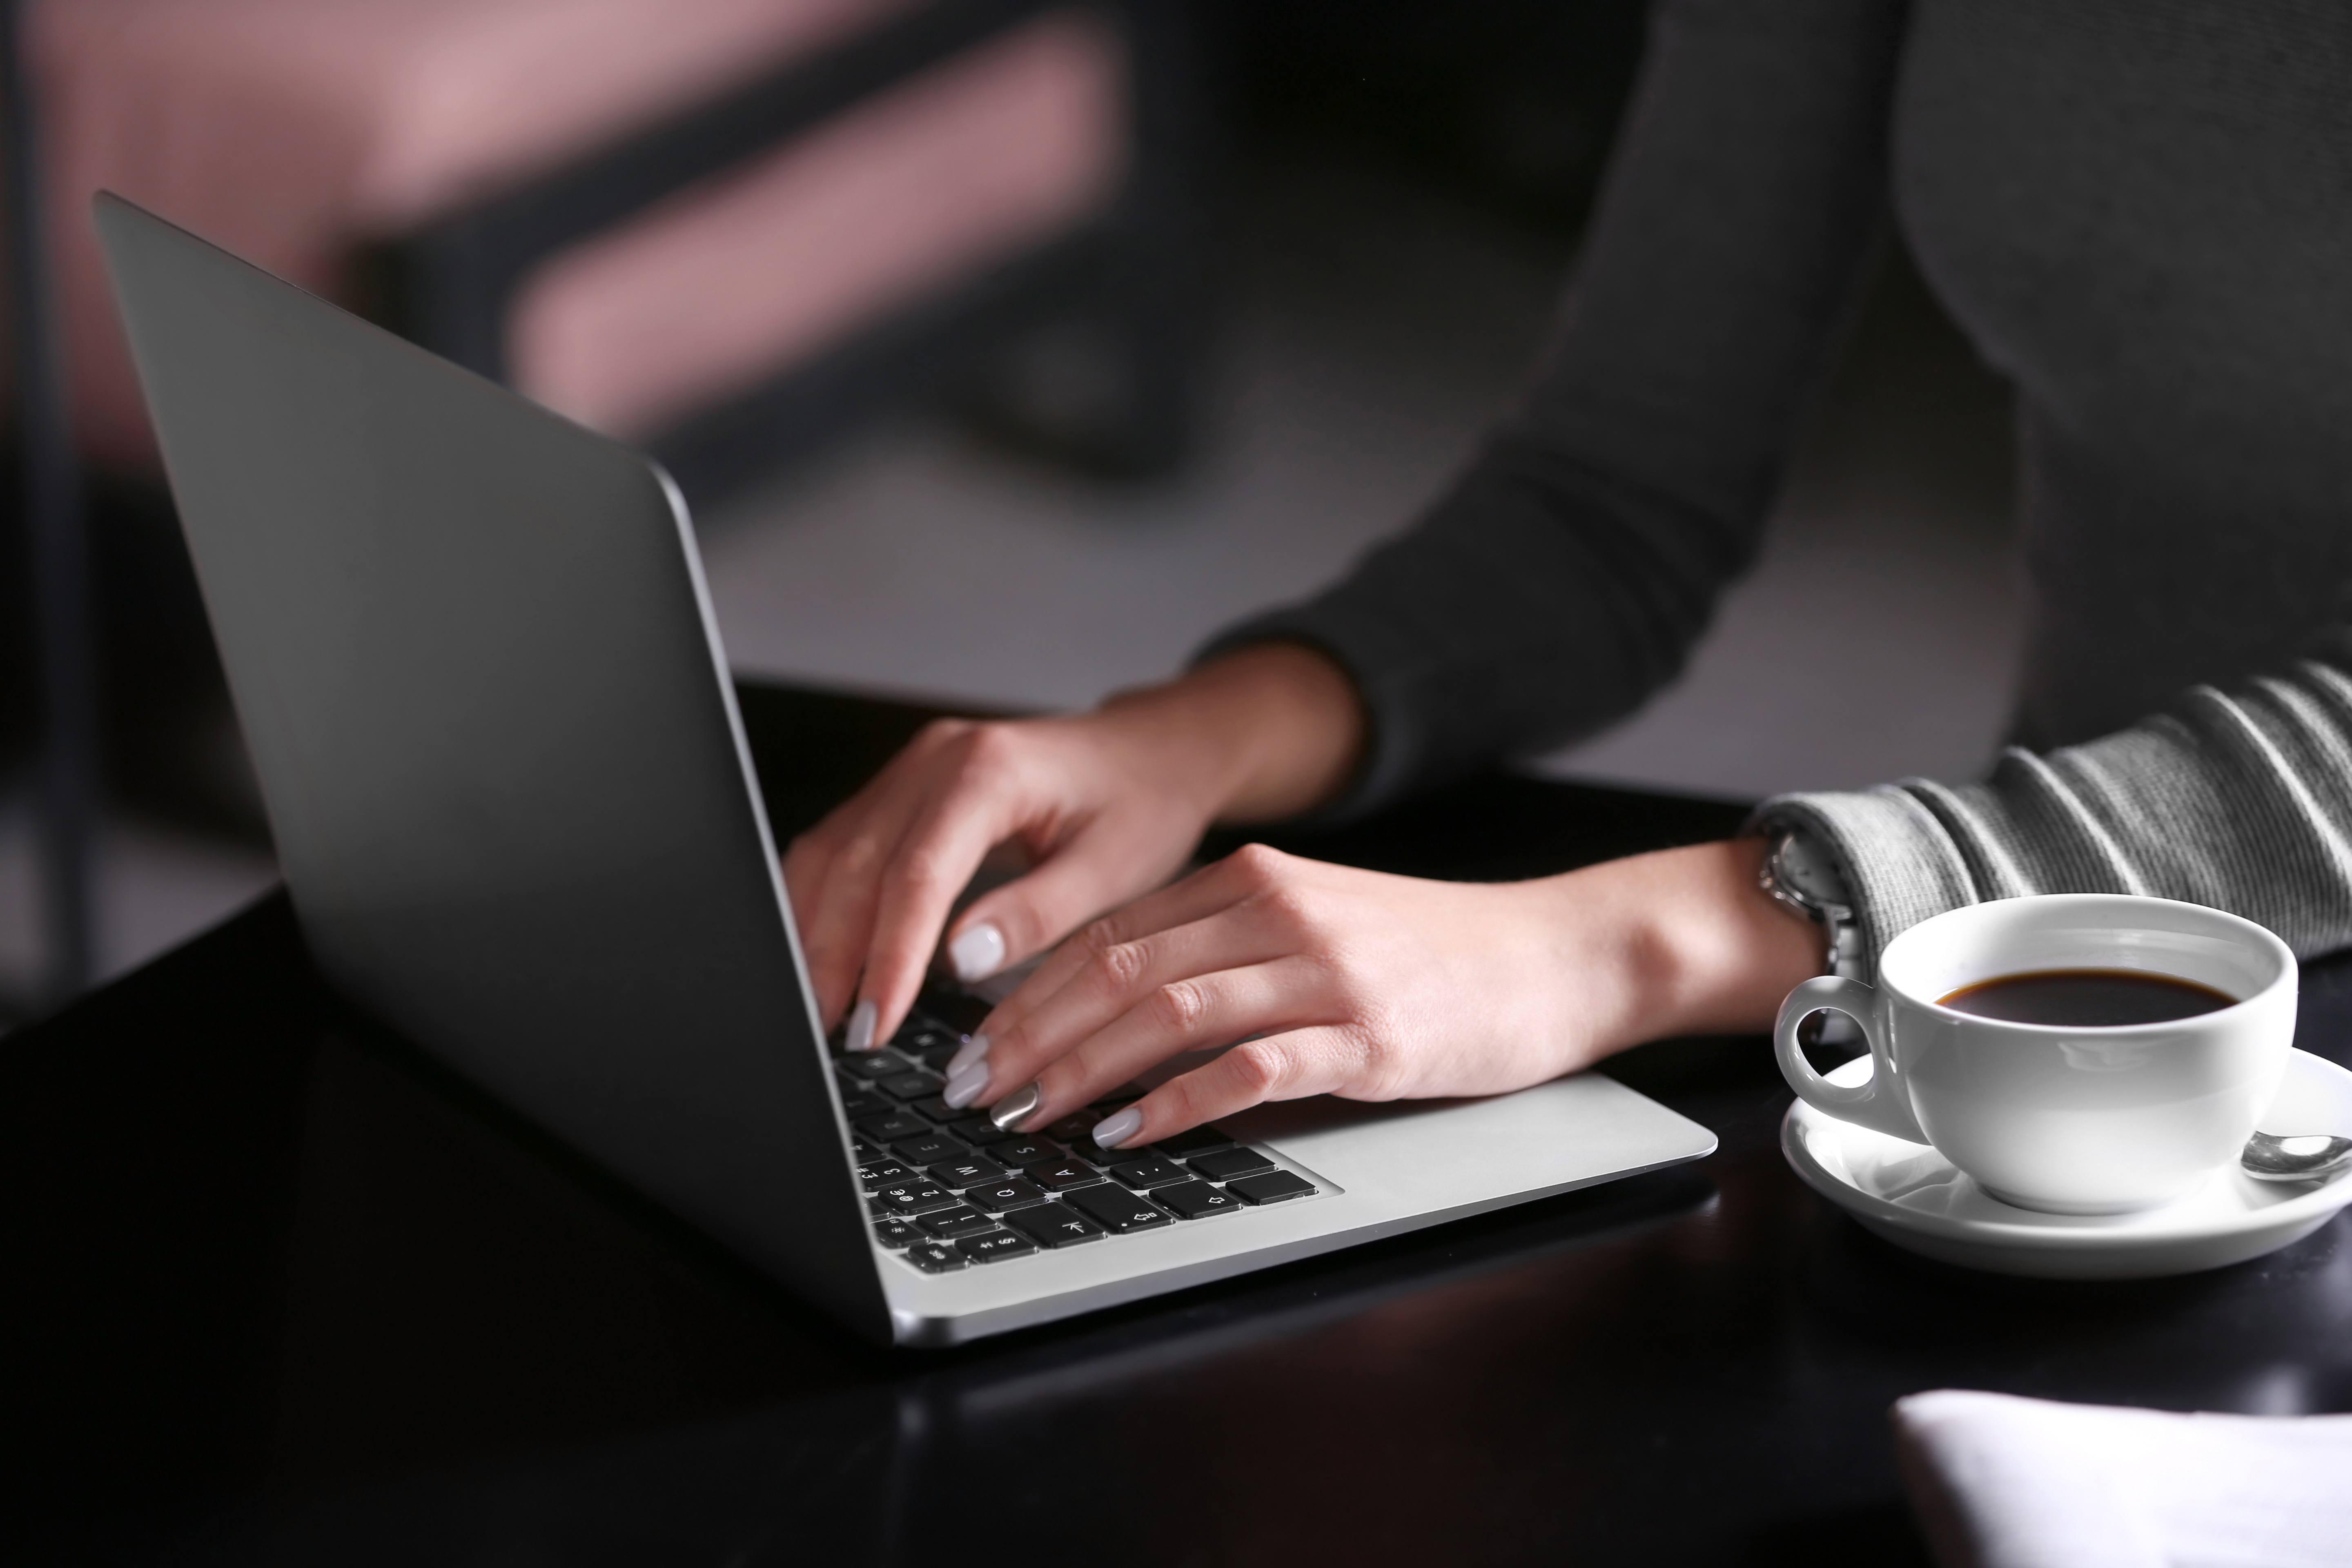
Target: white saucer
1911,1195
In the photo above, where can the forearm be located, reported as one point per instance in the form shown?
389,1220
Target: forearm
1563,578
1267,731
1681,941
2241,801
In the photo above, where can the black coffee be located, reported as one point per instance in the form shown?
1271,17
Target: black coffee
2086,998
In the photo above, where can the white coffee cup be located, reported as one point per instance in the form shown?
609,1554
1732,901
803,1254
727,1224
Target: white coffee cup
2073,1120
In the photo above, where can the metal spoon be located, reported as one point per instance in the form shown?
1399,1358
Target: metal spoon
2308,1157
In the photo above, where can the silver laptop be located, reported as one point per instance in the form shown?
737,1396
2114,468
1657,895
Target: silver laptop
476,664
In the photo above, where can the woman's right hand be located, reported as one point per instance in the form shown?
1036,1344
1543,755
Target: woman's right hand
1103,806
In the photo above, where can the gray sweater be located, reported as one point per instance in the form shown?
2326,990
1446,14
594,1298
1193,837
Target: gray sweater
2141,213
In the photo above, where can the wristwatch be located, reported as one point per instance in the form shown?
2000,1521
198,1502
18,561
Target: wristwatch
1800,873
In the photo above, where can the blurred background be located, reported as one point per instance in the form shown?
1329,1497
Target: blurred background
1006,351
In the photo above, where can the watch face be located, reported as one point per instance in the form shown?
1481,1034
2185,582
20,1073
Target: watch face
1806,869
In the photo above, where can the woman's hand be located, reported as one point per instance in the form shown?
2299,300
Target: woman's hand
1104,806
1377,988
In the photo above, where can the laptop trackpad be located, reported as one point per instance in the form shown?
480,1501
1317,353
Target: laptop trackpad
1434,1153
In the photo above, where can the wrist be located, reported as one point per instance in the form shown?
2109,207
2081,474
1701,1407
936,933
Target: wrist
1267,731
1695,944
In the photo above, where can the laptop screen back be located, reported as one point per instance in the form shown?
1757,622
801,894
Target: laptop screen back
475,664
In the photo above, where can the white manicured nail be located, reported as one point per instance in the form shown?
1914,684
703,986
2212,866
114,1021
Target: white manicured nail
977,952
859,1036
1009,1111
964,1084
972,1050
1113,1130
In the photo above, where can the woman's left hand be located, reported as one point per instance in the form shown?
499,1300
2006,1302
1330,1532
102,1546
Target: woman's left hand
1371,987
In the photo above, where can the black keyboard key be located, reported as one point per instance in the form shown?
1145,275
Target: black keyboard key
1054,1225
1116,1209
1195,1200
994,1245
929,1151
971,1171
1011,1193
1024,1152
871,1064
935,1257
950,1224
1271,1188
936,1056
857,1107
882,1172
1060,1176
1075,1128
979,1131
1148,1172
909,1085
901,1199
890,1128
1118,1099
1226,1165
1198,1139
937,1108
955,1011
895,1234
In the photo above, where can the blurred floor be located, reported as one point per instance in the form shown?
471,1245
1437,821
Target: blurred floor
1378,323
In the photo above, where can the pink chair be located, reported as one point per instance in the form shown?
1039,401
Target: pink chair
720,228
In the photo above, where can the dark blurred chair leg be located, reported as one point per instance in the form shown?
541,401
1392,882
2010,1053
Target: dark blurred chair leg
1157,287
57,552
1114,384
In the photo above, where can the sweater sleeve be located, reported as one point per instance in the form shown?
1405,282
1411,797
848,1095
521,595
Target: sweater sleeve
1570,568
2240,800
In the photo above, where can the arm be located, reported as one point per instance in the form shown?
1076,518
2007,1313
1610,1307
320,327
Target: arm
1373,986
2242,801
1369,986
1566,574
1559,583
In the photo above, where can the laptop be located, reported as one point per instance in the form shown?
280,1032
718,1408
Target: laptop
474,657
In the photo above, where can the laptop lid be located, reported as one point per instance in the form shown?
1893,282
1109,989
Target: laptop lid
474,661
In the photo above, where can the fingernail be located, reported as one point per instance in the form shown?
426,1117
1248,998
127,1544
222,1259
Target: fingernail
964,1084
977,952
970,1051
859,1036
1020,1103
1113,1130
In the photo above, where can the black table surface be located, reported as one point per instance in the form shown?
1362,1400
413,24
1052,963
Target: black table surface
278,1289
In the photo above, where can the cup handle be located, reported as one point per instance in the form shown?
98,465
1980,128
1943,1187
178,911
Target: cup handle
1878,1102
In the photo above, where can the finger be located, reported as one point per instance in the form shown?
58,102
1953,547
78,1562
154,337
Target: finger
1152,976
828,946
1095,871
844,855
835,935
929,867
805,860
1193,1014
1318,1060
1203,893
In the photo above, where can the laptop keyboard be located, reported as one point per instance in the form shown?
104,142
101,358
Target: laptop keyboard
946,1190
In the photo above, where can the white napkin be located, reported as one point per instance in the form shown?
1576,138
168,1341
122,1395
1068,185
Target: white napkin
2000,1482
